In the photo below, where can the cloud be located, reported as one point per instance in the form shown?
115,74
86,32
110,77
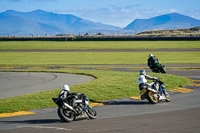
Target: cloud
195,13
173,10
113,15
121,15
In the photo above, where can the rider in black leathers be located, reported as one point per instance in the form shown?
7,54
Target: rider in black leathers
66,94
152,61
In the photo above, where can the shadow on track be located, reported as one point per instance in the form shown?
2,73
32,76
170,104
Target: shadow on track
40,121
126,101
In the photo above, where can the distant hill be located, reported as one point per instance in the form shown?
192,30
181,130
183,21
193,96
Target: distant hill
42,22
187,32
167,21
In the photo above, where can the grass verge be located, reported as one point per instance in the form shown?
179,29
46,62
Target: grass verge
61,58
99,45
107,86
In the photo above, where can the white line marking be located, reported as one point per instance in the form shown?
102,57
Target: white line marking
44,127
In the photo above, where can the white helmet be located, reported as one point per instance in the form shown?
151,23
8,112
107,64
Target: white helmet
65,88
150,55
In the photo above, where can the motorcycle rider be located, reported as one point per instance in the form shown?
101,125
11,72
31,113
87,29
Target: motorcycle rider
152,61
65,93
142,81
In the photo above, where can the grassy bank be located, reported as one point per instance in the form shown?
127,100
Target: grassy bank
99,45
107,86
62,58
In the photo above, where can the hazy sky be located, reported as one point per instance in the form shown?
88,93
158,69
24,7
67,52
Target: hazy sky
115,12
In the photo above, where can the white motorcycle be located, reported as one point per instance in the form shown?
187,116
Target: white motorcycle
154,92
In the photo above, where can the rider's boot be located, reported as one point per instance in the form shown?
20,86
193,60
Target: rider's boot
141,96
166,95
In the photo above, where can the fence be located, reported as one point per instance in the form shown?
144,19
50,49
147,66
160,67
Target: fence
99,38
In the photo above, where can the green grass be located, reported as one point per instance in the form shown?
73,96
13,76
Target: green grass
62,58
99,44
108,85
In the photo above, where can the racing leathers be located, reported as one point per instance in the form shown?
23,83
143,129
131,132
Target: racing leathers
64,94
152,62
142,81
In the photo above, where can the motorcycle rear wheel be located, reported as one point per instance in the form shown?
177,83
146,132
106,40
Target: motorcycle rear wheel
65,115
91,112
151,98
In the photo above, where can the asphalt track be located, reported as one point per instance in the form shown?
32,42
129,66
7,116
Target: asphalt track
21,83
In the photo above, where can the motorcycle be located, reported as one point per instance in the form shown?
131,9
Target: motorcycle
74,106
154,92
158,68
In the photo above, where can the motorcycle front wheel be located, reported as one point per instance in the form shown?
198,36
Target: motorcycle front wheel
65,115
151,98
91,112
162,69
168,98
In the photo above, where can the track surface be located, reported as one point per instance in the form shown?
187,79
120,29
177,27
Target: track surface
181,121
20,83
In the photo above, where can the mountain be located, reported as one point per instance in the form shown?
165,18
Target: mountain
42,22
167,21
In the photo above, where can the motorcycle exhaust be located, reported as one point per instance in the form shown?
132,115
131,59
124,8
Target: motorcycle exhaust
149,89
70,107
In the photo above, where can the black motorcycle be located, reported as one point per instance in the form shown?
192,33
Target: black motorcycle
154,92
158,68
74,106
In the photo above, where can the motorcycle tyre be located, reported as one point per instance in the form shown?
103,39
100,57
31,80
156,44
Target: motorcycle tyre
150,97
63,115
93,114
162,69
168,99
153,70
